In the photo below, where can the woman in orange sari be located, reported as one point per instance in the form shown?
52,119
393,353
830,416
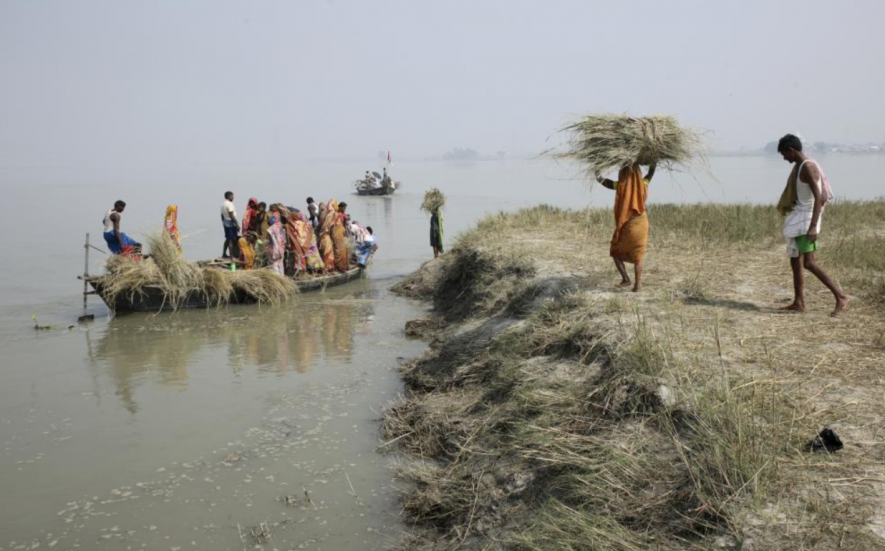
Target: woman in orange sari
294,233
339,233
327,248
631,221
171,225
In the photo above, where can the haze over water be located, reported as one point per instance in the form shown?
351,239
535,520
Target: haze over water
191,430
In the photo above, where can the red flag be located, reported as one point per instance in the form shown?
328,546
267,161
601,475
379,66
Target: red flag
388,159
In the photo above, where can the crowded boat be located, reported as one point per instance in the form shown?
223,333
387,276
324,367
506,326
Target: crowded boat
321,240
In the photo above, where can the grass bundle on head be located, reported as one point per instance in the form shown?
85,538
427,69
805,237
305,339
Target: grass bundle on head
607,142
264,285
433,200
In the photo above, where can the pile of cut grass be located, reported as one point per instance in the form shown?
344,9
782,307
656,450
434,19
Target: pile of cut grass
606,142
166,269
263,285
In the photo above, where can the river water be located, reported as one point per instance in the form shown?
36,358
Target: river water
194,430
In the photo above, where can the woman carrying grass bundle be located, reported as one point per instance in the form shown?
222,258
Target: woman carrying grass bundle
631,221
433,203
436,232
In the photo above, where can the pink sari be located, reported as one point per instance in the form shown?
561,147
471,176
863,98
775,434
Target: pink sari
276,251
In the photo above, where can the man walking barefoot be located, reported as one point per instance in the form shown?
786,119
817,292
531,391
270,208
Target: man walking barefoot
802,202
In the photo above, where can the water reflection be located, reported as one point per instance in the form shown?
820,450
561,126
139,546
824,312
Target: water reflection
161,348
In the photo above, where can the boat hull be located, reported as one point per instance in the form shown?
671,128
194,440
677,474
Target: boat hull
152,299
376,191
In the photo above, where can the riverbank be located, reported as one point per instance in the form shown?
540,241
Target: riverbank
553,410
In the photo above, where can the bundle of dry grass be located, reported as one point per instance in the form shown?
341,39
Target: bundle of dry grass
180,278
128,277
606,142
434,200
264,285
167,270
218,286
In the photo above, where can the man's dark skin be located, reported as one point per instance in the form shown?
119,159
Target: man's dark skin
810,175
619,264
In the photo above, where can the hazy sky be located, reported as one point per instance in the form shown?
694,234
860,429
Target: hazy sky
95,83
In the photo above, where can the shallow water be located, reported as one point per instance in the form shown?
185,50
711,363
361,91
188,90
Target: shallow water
170,430
185,431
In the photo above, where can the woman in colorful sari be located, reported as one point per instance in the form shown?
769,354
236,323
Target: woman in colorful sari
326,247
171,225
631,221
276,244
338,234
249,215
295,232
312,254
247,252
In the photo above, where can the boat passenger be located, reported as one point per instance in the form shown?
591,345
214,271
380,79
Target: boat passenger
276,244
231,226
171,225
366,247
117,241
339,235
312,213
249,215
247,250
259,223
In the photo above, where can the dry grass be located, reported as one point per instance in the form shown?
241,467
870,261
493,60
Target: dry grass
265,286
606,142
434,200
178,279
671,419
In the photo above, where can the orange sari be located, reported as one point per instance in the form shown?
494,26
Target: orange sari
342,263
631,221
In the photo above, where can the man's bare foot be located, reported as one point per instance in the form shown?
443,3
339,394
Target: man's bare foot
841,304
624,283
794,308
637,288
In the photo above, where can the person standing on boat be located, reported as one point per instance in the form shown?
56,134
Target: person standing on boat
312,213
231,226
367,246
118,242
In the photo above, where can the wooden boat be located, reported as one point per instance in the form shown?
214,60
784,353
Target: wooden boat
387,187
152,299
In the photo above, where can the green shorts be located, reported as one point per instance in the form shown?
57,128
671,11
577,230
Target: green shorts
800,245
